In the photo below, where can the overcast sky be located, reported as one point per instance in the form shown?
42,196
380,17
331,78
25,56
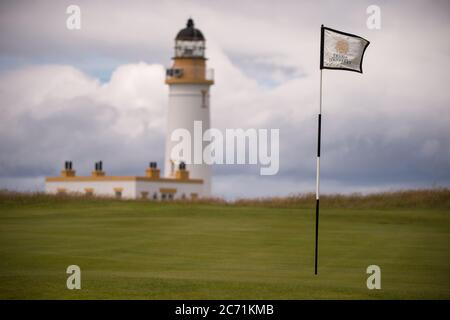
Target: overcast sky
98,93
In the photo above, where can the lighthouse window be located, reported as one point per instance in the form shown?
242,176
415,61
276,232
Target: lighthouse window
204,99
189,48
172,167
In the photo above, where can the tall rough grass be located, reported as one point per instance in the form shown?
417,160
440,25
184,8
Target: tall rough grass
420,198
417,198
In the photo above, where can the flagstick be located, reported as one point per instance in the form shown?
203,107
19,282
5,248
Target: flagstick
318,175
363,43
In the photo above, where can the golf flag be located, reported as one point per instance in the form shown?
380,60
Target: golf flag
340,50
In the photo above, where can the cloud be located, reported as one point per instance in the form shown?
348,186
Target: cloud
55,113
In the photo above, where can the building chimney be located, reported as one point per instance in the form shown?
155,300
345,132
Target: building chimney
182,173
152,171
98,171
67,171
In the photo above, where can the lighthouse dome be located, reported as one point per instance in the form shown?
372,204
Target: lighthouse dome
190,33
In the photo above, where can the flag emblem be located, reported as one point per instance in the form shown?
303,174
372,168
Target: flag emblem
341,50
342,46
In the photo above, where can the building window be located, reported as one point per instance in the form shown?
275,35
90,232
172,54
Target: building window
118,192
167,193
172,167
89,192
144,195
155,196
183,196
167,196
204,99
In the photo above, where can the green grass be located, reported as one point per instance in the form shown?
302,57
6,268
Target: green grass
144,250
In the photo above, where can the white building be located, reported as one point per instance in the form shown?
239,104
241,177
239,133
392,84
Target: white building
189,83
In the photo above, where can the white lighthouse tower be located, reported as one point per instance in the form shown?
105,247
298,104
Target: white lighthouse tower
189,82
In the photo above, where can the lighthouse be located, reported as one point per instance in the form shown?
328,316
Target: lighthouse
189,84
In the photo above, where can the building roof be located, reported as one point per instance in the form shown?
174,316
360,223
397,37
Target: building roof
190,33
119,178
